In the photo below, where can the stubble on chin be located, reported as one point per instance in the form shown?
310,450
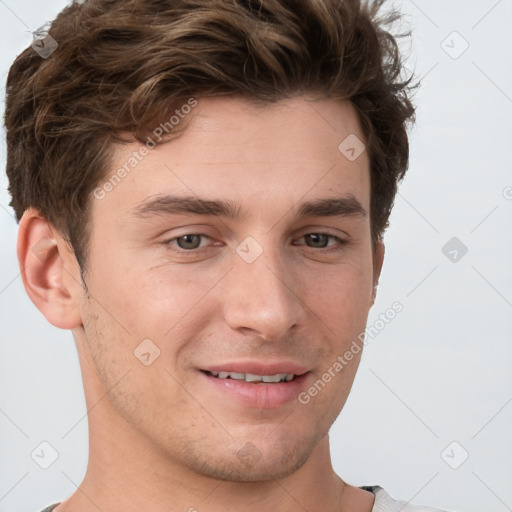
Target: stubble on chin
248,461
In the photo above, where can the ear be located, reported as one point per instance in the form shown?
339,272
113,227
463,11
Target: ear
378,260
50,272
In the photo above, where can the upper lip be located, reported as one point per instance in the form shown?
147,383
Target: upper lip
258,368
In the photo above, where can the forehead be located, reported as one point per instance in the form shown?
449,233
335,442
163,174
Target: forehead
265,157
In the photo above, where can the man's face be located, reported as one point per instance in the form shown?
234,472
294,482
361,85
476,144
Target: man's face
268,290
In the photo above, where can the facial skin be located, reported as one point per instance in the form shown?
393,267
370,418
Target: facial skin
164,436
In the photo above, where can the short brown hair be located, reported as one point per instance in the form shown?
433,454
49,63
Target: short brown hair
122,65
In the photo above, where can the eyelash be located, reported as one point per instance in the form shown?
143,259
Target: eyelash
192,252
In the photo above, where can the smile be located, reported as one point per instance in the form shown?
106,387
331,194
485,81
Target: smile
256,390
249,377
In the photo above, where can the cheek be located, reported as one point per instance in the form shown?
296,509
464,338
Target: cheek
105,346
142,302
118,358
341,296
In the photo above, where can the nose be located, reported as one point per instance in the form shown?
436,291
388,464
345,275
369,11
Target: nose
263,298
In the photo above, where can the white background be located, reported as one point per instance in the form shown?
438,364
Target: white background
440,372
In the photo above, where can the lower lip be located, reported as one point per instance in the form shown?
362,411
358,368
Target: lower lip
261,395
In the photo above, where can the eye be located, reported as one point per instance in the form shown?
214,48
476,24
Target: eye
321,240
188,242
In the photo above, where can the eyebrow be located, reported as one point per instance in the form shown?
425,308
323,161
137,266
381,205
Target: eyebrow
345,206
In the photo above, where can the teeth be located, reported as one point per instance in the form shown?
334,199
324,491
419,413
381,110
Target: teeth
249,377
274,378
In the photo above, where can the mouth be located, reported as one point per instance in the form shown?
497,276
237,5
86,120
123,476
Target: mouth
249,377
261,389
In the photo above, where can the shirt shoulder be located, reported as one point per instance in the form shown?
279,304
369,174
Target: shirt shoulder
50,508
386,503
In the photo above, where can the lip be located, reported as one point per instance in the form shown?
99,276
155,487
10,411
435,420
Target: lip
260,395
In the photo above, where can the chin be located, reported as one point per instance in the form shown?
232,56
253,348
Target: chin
248,463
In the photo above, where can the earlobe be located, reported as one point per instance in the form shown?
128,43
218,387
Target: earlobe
378,260
49,271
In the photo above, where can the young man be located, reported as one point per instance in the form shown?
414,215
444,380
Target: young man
202,188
